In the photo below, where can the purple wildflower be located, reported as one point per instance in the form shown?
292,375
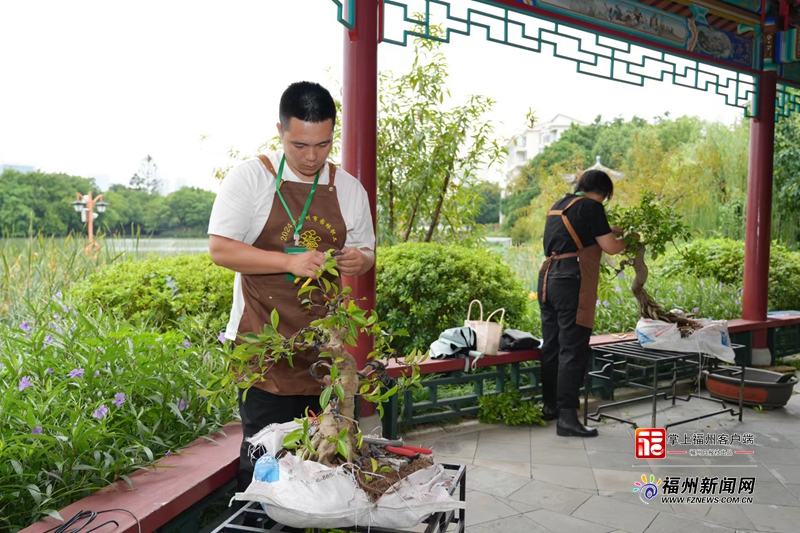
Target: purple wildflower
100,412
76,373
47,341
58,295
598,302
49,371
680,289
119,399
37,430
64,308
96,373
605,303
25,327
617,288
186,344
695,310
222,338
737,302
24,383
56,316
2,367
181,405
71,330
169,452
52,475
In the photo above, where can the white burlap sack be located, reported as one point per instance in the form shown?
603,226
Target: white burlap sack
712,339
309,494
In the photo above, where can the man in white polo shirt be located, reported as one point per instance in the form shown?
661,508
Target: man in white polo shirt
271,225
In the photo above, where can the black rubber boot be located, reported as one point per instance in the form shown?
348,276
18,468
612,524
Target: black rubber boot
569,426
549,412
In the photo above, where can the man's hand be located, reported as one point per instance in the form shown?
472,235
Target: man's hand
352,262
305,265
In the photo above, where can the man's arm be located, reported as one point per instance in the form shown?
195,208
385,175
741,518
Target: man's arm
247,259
355,261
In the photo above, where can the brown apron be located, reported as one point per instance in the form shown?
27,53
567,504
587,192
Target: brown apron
589,261
324,229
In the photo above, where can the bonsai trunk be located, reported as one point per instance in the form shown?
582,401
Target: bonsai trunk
335,418
648,307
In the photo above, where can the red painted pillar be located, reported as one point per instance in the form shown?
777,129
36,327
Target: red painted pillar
360,130
759,207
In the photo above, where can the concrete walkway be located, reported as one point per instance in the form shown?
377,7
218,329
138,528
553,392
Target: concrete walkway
528,480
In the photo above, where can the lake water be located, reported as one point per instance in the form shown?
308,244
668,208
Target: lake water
142,247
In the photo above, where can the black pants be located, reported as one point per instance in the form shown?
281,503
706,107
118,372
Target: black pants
261,409
565,345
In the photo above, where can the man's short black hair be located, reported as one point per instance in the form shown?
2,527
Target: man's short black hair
596,181
306,101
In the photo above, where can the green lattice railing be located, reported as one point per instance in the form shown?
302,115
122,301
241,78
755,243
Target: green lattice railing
594,54
787,101
346,13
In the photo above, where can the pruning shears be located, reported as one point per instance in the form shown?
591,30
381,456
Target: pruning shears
398,447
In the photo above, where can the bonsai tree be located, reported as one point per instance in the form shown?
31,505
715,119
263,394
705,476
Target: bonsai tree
337,438
656,225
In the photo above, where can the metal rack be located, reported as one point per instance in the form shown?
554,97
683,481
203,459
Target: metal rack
620,361
437,522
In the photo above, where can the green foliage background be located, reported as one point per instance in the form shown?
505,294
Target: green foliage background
425,288
162,292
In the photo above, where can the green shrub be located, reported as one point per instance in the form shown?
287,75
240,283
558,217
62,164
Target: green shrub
425,288
161,291
509,409
723,260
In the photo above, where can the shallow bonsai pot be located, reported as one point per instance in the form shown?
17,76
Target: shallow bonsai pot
761,387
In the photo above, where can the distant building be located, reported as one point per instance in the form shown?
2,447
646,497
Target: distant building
526,145
18,168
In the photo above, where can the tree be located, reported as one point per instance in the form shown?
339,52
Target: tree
786,206
190,208
147,178
39,202
653,225
490,207
429,155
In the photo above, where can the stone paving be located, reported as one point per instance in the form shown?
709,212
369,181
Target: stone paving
528,480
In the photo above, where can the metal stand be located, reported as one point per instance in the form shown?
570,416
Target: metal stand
437,522
620,359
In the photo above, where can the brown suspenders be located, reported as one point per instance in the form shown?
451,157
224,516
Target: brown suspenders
271,169
555,256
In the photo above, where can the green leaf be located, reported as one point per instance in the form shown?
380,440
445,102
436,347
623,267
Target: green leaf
343,448
374,464
339,391
291,440
53,513
325,397
274,319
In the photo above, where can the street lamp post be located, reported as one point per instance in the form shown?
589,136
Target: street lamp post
85,205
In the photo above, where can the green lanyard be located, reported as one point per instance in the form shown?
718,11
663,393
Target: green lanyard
298,224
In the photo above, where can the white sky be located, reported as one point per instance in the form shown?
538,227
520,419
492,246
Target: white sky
89,87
